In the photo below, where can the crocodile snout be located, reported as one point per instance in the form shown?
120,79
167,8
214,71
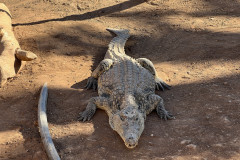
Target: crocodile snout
131,142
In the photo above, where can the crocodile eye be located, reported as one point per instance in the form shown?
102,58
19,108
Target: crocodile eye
121,118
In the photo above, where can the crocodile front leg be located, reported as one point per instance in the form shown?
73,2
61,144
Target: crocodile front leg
101,68
147,64
156,102
100,102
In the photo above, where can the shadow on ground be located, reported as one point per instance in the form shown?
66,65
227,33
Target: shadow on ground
90,15
211,126
207,112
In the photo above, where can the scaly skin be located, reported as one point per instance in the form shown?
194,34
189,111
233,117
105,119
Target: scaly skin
126,89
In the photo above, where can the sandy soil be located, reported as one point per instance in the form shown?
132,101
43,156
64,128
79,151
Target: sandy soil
194,45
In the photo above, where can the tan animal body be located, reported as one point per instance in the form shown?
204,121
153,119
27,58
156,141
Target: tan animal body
12,57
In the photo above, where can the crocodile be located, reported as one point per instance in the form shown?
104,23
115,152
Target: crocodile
126,89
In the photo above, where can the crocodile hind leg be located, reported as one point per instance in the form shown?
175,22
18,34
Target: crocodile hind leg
102,67
93,104
156,102
147,64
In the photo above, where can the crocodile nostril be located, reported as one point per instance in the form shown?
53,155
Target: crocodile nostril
130,143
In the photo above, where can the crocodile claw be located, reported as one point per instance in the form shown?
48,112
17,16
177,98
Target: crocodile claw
92,83
163,114
161,85
86,115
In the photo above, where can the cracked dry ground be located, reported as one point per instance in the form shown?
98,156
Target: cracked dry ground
194,45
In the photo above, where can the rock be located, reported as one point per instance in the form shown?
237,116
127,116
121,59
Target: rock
185,141
191,146
68,54
226,120
218,145
185,77
78,7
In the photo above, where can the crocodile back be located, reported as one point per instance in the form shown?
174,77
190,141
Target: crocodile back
126,76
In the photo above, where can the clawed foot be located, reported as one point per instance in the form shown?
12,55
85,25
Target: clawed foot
87,114
163,114
161,85
92,83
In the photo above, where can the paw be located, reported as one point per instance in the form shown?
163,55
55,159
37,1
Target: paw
86,115
92,83
161,85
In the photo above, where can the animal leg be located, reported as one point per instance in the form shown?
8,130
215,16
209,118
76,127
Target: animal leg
25,55
101,68
157,102
147,64
100,102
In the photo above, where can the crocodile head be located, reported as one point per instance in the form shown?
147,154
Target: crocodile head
129,124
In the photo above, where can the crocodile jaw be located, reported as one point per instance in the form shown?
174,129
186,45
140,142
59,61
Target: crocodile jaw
129,124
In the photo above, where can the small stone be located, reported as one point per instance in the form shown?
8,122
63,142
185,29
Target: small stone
218,145
185,141
185,77
226,120
151,135
191,146
154,3
78,7
188,72
225,83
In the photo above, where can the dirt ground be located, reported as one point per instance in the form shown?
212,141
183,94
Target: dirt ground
194,44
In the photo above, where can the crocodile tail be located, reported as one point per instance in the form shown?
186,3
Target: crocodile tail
116,46
119,32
